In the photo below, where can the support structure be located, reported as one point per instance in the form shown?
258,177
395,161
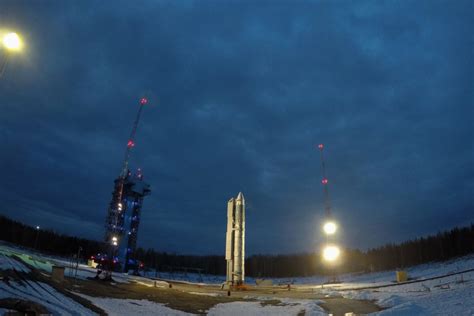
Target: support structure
123,215
123,224
235,241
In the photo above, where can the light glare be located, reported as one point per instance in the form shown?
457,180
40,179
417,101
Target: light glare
331,253
330,228
12,41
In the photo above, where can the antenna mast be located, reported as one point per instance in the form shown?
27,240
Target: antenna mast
324,181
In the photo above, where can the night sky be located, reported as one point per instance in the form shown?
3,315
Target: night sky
240,92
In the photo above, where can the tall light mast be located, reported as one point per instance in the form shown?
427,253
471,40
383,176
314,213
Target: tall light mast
331,251
324,181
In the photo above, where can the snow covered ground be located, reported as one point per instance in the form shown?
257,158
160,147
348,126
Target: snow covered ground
451,298
45,295
452,295
115,307
144,307
287,307
449,295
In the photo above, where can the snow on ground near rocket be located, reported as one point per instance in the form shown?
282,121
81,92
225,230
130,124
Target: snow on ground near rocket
145,307
448,298
45,263
453,295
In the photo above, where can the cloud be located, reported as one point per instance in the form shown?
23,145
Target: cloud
239,95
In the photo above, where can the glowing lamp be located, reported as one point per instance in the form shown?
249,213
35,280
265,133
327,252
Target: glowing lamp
331,253
324,181
143,101
320,146
330,228
12,42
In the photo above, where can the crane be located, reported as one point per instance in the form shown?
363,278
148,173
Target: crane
114,221
124,173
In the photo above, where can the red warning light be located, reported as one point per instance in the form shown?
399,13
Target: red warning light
320,146
324,181
143,101
130,143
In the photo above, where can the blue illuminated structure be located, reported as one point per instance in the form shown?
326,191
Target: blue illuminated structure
123,219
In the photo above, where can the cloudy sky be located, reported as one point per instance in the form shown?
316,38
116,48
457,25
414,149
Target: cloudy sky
240,93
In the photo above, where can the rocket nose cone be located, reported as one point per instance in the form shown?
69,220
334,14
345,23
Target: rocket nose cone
240,197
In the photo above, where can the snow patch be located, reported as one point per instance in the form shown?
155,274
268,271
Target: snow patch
114,306
287,307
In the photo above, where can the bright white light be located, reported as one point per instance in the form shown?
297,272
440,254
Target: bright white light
330,228
331,253
114,243
114,238
12,41
37,227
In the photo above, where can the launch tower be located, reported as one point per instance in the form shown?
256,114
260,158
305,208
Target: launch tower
123,215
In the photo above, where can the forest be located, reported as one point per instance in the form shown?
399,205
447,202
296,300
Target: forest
439,247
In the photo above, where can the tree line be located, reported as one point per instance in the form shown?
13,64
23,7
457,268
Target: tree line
442,246
46,240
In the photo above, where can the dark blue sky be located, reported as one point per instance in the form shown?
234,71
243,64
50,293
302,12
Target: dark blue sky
240,92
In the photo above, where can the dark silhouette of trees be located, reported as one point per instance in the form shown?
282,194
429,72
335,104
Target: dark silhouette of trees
442,246
46,241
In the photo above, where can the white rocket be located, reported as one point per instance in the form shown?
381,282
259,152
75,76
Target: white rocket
235,240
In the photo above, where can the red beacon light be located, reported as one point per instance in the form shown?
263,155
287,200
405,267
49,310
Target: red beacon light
130,143
320,146
143,101
324,181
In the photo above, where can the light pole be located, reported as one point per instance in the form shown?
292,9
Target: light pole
11,43
37,235
331,252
